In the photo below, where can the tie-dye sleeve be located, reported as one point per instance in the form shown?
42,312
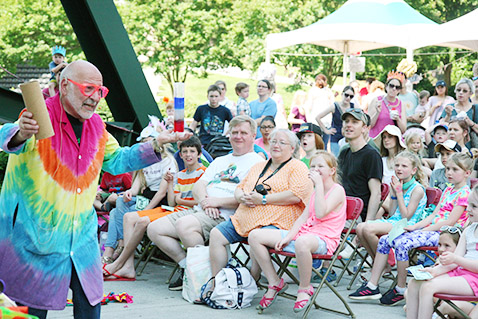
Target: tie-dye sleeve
7,132
118,160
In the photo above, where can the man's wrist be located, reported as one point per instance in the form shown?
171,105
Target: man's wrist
264,200
156,146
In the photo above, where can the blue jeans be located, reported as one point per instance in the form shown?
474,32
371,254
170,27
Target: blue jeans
335,148
115,227
325,138
81,306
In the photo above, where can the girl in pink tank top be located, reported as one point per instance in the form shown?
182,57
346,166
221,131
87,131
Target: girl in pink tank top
316,231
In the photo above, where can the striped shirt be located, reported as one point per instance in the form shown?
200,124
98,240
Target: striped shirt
185,182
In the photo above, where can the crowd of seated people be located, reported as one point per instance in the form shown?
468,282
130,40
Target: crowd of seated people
297,194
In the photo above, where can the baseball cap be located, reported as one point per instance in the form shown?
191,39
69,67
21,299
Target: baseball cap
439,125
359,114
309,128
440,83
449,145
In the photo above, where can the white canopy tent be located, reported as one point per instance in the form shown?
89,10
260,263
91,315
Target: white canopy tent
459,33
359,25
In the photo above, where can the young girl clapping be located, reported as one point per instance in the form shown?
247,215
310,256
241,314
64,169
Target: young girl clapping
406,199
316,231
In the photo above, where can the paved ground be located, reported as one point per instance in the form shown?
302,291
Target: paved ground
152,299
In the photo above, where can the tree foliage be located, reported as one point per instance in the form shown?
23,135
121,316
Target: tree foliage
30,28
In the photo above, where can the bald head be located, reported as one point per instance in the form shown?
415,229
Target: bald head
80,69
74,78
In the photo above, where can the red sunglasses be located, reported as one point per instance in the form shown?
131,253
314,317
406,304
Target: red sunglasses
88,89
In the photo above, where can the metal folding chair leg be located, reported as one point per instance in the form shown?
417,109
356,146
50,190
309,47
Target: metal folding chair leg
451,304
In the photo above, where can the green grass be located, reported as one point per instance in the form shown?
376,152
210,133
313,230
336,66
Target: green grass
196,91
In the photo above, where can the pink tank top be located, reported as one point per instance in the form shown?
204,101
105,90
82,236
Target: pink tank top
328,228
384,117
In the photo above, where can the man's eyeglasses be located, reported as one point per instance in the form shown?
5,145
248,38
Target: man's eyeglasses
451,229
349,95
88,89
269,127
262,87
396,87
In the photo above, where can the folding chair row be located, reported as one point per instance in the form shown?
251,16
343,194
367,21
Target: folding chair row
384,191
433,197
354,208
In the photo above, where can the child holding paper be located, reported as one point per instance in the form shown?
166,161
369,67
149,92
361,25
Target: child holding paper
407,199
449,211
457,272
449,237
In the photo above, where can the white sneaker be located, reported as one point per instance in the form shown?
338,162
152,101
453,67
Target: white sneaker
347,252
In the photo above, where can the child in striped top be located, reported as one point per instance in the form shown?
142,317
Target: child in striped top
179,196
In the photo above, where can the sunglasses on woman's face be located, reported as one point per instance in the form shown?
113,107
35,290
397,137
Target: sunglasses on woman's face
349,95
396,87
462,90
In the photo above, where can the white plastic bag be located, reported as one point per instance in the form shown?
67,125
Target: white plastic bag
197,272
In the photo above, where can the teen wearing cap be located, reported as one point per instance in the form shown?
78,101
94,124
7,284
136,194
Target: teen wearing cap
336,109
310,136
446,149
436,103
360,165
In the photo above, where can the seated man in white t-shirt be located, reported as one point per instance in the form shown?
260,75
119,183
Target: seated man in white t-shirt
215,193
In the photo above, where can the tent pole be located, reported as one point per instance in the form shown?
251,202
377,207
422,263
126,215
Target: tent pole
410,54
346,49
268,56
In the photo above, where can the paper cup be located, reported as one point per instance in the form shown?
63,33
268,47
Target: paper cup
33,98
393,113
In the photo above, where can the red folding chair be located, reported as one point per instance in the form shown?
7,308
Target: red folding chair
448,299
385,190
354,208
473,182
433,195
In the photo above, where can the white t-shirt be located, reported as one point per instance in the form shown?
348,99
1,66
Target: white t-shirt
387,172
224,174
154,173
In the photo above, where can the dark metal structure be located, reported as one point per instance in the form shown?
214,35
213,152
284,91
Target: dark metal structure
106,44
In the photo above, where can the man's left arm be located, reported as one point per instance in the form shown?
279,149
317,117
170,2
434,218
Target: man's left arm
374,185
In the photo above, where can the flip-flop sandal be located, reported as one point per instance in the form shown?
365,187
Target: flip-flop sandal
116,277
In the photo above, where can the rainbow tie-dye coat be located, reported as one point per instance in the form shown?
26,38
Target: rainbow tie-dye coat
47,220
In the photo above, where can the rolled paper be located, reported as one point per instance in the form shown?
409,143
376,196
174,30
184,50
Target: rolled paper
35,103
179,107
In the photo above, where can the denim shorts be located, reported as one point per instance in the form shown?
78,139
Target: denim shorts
290,248
227,229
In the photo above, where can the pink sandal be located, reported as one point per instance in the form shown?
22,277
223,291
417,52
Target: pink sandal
267,302
302,304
